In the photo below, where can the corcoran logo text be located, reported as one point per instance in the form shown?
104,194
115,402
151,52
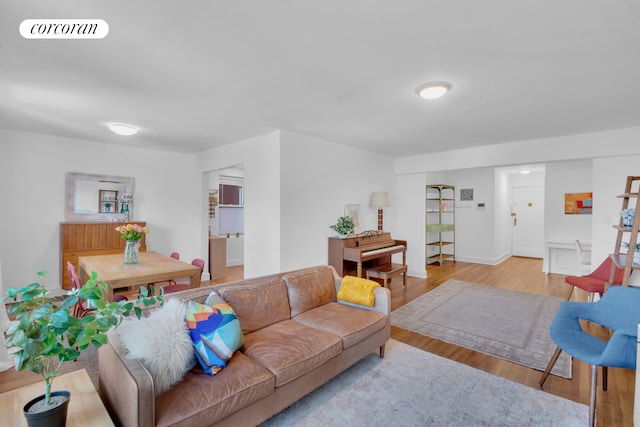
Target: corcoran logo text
64,29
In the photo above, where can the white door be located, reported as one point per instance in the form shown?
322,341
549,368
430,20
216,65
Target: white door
527,216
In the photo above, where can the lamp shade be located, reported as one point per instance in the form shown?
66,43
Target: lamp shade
379,199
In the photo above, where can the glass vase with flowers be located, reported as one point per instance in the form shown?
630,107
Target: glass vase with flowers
132,233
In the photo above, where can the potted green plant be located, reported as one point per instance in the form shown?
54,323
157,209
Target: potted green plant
47,334
344,226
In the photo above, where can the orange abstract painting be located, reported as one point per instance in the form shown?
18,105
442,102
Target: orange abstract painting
578,203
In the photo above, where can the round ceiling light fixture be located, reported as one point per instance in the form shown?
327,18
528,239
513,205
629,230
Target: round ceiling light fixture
433,90
123,129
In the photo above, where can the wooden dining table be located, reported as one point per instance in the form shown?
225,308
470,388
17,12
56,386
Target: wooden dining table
152,267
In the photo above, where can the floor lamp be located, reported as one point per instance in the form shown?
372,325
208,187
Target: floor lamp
379,199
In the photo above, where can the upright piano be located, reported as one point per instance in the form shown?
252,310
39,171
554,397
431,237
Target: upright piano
366,250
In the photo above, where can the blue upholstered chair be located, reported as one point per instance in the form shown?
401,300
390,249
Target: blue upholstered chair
617,310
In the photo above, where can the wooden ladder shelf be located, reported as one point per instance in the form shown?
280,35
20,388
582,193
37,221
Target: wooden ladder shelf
630,200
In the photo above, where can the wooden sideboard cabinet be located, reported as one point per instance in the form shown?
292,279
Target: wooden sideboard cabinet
90,238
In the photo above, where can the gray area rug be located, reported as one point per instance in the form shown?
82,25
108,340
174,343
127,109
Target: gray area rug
411,387
509,325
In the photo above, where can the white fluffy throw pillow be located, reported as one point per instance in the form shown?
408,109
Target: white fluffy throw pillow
161,342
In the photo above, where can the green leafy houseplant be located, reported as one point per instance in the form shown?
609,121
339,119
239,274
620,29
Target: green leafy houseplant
344,226
47,333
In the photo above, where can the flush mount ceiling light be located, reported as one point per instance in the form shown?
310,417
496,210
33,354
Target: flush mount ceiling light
433,90
123,129
525,171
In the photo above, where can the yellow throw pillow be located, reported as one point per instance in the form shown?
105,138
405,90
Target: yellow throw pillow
357,290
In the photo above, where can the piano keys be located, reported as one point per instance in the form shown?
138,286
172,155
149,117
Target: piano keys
352,255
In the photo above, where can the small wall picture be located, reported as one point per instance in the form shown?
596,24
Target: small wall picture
353,210
578,203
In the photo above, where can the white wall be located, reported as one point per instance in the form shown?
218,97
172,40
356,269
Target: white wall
613,143
32,190
411,208
474,227
318,178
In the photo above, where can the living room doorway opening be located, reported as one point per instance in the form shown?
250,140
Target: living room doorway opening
226,219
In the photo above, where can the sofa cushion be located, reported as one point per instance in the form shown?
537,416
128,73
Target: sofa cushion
257,303
289,349
350,323
200,400
161,343
310,288
215,331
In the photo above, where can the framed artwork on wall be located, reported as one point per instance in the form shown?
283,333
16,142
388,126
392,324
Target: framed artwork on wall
578,203
353,210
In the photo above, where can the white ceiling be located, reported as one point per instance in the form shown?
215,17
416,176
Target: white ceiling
198,74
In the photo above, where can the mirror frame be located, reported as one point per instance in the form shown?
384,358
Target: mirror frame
71,215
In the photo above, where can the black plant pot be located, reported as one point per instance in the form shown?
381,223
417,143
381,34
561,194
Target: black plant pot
54,415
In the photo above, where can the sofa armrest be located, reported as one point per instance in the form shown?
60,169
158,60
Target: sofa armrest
382,303
382,297
125,386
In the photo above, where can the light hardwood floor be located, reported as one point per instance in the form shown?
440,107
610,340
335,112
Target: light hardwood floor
615,406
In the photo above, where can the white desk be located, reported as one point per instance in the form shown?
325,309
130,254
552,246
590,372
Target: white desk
550,245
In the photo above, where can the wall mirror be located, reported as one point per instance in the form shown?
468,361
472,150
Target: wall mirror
92,197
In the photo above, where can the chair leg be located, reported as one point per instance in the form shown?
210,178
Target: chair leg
568,296
552,362
592,398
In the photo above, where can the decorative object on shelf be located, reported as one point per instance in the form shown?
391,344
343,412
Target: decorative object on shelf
125,200
132,233
107,207
636,252
47,334
627,216
444,206
379,199
344,227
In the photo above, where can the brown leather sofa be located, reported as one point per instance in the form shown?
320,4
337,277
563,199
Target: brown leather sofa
297,337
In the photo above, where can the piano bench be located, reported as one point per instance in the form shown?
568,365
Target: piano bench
386,271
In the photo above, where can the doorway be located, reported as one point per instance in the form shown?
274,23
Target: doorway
225,219
527,216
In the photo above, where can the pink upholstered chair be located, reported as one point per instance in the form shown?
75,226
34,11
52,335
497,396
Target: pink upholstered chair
80,309
594,282
177,287
174,255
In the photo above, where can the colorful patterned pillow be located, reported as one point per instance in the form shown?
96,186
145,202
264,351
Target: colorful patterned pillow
215,332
